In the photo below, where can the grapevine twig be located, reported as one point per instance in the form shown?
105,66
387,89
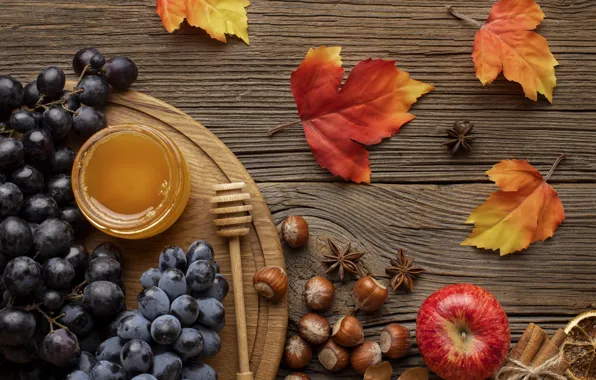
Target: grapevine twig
552,169
460,16
273,131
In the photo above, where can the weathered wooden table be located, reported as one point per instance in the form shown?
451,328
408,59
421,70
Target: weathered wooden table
420,196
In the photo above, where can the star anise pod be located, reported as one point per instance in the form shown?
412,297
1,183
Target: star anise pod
459,136
342,260
403,271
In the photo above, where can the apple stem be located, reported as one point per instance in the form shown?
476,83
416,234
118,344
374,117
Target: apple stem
273,131
552,169
463,336
462,16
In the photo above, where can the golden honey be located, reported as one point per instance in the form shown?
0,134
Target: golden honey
131,181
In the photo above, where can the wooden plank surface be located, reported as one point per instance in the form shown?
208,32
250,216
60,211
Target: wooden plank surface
421,195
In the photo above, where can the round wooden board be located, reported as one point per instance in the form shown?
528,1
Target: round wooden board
211,162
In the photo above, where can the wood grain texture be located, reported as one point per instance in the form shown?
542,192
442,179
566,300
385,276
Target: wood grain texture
422,196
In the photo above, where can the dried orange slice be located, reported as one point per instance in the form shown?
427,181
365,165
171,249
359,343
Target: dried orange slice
579,349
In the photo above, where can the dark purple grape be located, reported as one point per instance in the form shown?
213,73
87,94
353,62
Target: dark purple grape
199,250
62,160
211,341
11,199
22,121
59,187
121,72
38,146
58,122
211,313
16,237
105,370
91,342
218,290
38,208
96,91
103,269
136,356
153,302
70,100
11,93
86,362
186,309
110,349
198,371
87,121
107,249
215,267
103,299
166,366
50,81
22,276
60,348
165,329
78,257
83,58
135,327
53,237
58,273
200,275
28,179
150,277
52,300
31,94
21,354
77,319
97,61
188,344
172,257
17,326
12,153
173,282
73,216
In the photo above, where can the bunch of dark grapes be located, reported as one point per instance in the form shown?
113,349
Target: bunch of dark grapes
176,324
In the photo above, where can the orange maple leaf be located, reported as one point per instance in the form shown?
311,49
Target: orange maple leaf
338,123
507,42
525,210
216,17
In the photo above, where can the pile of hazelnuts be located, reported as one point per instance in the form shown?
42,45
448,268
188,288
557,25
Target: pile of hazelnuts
344,344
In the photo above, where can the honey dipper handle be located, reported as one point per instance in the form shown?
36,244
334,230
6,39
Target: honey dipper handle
238,288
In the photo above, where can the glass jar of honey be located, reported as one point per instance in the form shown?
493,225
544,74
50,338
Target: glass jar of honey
131,181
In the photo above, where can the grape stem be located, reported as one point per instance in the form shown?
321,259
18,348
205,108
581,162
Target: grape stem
52,321
82,75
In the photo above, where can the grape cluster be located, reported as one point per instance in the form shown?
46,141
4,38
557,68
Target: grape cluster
176,324
57,305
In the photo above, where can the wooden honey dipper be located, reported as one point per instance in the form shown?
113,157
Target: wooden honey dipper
231,216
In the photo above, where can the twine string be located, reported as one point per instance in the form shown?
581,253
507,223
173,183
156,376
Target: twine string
519,371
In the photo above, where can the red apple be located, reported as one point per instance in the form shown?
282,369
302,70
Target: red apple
462,332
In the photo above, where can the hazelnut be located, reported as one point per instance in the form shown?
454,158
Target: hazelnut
365,355
297,376
348,332
382,371
333,356
395,341
297,353
271,283
294,231
369,294
314,328
319,293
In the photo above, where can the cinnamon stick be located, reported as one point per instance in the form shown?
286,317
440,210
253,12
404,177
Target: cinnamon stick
549,349
559,338
529,344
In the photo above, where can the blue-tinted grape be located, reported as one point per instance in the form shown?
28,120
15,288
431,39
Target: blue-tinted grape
200,275
172,257
11,93
12,153
31,94
107,250
11,199
87,121
53,237
22,121
52,300
145,376
211,341
86,362
218,290
96,90
189,343
83,58
136,356
211,313
38,208
150,277
166,366
72,215
186,309
109,350
58,273
17,326
58,122
91,342
22,276
153,302
165,329
103,299
38,146
97,61
77,319
78,257
60,348
173,282
103,269
198,371
113,326
77,375
50,81
62,160
16,237
121,72
59,187
28,179
105,370
135,327
199,250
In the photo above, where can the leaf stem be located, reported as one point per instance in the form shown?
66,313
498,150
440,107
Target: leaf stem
552,169
273,131
460,16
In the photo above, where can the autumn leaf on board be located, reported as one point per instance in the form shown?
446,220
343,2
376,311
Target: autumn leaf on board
507,42
525,210
216,17
339,122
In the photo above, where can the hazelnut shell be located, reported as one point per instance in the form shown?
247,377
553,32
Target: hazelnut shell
294,231
333,356
271,283
395,341
319,293
297,353
314,328
365,355
348,332
369,294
